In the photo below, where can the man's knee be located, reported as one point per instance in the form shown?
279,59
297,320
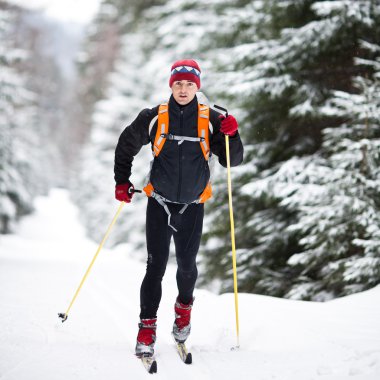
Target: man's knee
187,269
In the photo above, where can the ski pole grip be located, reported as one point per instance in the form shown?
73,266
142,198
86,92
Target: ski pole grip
222,109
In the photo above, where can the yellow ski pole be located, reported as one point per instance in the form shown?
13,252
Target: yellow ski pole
229,182
232,238
64,316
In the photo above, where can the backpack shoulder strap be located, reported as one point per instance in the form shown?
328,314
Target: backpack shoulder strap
203,129
162,128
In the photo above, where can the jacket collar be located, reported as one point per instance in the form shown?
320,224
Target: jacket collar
190,107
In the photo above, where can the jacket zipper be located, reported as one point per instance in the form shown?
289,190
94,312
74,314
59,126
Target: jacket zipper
180,158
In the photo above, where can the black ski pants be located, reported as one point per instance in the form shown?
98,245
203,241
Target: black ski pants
158,237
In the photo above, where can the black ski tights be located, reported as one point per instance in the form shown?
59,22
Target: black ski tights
186,239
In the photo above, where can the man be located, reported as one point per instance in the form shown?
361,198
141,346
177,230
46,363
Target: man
182,144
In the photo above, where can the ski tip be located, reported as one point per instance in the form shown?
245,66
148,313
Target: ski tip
149,362
189,358
63,316
153,367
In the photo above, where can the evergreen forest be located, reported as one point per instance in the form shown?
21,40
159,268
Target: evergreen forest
302,77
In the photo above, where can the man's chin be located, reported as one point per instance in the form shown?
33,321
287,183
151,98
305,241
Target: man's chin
183,101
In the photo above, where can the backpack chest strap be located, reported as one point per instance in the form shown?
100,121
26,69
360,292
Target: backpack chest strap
181,139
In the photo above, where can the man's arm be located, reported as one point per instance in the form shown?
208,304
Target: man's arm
130,142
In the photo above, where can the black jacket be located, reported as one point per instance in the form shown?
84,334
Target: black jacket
179,173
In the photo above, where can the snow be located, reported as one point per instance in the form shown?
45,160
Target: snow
43,264
69,11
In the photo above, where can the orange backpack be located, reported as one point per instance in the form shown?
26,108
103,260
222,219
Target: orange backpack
203,138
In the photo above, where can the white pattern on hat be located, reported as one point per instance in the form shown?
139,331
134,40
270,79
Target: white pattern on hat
186,69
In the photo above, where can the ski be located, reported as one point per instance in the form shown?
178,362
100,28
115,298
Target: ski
185,356
149,362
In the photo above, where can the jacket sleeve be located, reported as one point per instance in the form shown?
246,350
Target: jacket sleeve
218,143
130,142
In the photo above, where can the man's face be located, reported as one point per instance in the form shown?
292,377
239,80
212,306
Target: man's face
184,91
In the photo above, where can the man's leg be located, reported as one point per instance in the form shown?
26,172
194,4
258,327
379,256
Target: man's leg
187,241
158,238
158,235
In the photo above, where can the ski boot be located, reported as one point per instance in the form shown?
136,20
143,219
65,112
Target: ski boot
181,325
146,337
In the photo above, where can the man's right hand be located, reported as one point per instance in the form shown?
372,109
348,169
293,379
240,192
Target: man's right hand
124,192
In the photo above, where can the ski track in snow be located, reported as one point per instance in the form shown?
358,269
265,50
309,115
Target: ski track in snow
41,267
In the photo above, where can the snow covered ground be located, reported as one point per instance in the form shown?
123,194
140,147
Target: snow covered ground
42,265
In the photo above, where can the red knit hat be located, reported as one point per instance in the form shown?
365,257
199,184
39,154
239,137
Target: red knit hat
186,69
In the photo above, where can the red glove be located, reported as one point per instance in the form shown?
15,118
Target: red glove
124,192
229,125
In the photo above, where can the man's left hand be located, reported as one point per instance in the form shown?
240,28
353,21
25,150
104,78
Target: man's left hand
229,125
